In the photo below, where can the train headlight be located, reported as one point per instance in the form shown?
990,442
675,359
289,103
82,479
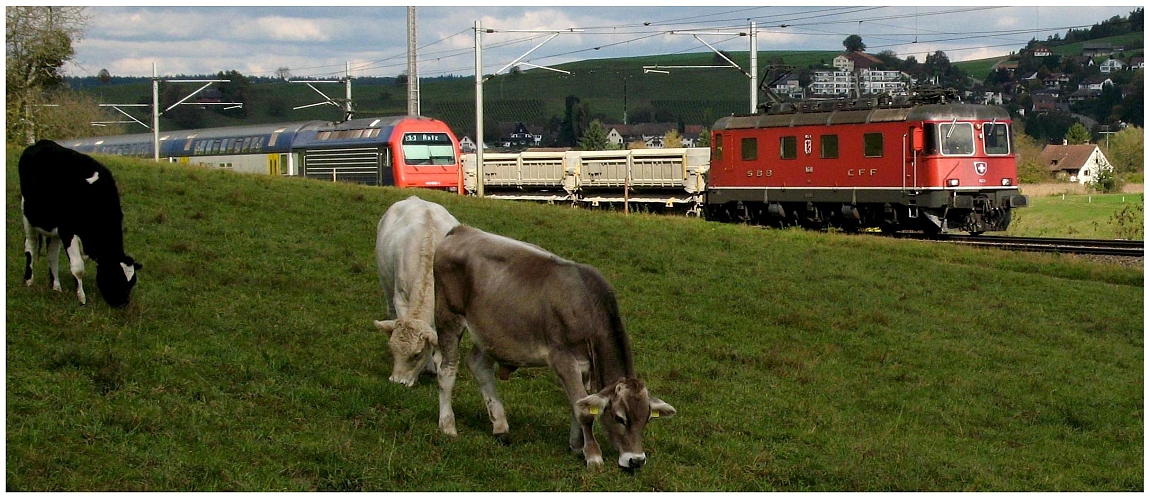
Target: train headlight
1006,182
952,182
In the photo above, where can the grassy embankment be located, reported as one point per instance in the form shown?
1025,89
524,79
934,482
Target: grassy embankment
1080,216
797,360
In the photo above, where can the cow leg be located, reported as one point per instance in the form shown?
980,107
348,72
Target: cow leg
482,366
447,366
76,264
31,247
582,439
54,244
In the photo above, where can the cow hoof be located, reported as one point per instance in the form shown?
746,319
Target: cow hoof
595,462
504,438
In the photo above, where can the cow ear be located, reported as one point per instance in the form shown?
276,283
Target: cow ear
432,337
660,409
386,326
591,405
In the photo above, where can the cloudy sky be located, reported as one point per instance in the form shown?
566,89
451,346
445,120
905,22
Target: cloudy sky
323,41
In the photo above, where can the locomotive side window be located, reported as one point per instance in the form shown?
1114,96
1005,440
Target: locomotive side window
872,144
717,149
829,146
957,138
996,138
750,148
788,147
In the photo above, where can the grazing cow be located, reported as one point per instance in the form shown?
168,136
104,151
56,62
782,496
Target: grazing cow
70,198
405,243
526,307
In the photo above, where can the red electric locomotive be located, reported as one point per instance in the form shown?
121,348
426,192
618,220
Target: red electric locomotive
929,167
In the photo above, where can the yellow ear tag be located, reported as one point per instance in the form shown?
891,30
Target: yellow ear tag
594,410
654,414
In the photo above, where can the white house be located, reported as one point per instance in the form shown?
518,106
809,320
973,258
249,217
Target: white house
1110,65
1081,163
466,144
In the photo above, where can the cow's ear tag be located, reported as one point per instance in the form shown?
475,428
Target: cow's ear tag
654,414
594,410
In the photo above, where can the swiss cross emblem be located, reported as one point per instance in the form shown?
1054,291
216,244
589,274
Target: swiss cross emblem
980,168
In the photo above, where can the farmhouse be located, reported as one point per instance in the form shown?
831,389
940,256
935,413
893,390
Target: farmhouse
1079,163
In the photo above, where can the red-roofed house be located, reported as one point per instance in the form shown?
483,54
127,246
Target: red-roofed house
1081,163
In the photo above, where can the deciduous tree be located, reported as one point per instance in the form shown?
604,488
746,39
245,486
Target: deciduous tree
38,43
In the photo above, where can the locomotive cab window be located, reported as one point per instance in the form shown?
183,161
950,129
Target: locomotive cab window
996,138
717,148
829,146
788,147
750,148
957,138
872,145
428,148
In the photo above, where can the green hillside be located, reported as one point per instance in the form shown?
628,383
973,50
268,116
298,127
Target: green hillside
696,96
798,361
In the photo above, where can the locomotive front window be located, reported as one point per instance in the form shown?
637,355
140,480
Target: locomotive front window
750,148
428,149
788,147
957,138
996,138
872,144
829,146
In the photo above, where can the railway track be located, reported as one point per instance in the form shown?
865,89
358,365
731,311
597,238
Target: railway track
1126,248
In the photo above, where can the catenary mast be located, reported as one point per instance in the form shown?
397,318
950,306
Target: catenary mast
412,69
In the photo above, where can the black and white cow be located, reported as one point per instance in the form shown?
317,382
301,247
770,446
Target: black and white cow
68,198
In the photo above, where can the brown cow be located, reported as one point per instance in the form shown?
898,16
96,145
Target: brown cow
526,307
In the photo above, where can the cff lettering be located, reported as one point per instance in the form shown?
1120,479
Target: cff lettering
861,172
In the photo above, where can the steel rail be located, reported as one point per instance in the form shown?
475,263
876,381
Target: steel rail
1129,248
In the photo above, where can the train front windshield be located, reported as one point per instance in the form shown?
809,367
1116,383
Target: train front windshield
421,149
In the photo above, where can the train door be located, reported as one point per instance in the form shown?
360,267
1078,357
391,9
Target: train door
386,167
914,152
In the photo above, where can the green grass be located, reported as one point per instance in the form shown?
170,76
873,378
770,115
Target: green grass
798,361
1092,216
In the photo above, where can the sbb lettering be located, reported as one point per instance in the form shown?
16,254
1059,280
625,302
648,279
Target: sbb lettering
752,173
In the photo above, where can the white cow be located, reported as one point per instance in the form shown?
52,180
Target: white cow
405,244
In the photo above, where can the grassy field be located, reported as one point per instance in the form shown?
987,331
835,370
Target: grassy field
1081,216
798,361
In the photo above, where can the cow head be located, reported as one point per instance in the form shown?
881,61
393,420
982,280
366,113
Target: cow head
624,408
116,279
411,343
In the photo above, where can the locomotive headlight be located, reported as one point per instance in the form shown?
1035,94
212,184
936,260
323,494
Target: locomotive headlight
952,182
1006,182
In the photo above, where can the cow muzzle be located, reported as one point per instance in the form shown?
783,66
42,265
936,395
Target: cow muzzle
630,461
407,381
